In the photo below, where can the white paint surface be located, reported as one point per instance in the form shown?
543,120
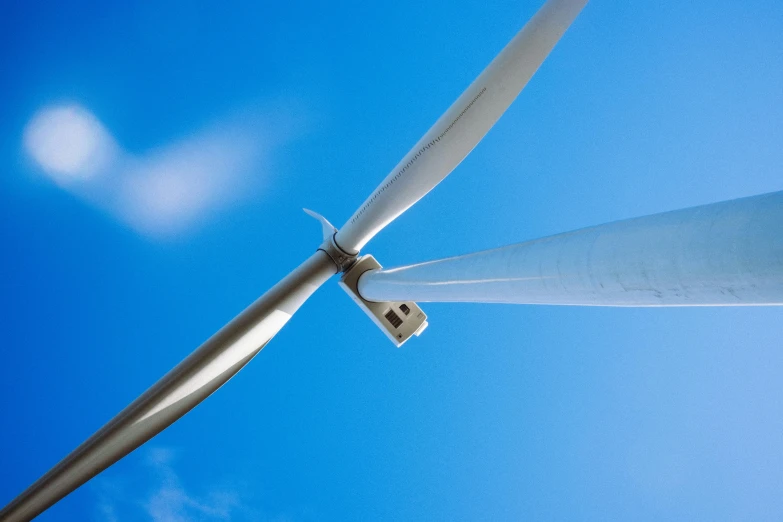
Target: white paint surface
728,253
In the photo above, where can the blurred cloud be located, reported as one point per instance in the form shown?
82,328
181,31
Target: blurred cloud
172,187
169,502
166,499
167,190
69,143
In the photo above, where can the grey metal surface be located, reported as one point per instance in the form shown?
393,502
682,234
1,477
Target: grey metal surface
728,253
189,383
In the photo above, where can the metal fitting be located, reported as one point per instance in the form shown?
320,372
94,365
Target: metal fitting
341,258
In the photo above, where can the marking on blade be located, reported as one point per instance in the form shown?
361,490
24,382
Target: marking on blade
415,157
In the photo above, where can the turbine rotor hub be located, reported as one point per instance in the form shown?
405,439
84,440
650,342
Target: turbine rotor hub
341,258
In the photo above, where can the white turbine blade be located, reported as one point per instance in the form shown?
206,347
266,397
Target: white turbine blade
728,253
463,125
189,383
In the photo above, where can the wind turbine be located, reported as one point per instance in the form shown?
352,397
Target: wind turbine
728,253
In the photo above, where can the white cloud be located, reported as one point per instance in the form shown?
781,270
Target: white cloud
169,502
156,493
107,512
165,498
166,190
69,143
169,189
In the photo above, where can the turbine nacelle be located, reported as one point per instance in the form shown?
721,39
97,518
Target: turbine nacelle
399,320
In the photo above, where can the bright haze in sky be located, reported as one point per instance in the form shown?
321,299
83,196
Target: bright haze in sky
156,158
161,192
69,143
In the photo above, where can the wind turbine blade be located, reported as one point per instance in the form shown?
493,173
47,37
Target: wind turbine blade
463,125
728,253
189,383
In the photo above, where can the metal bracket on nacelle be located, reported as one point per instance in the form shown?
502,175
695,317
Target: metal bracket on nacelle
399,320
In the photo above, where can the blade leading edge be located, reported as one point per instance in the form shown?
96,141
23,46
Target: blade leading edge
723,254
189,383
462,126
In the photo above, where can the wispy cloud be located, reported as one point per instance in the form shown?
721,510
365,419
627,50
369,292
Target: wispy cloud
171,188
69,143
169,502
164,497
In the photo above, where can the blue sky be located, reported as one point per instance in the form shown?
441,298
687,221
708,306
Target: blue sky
495,412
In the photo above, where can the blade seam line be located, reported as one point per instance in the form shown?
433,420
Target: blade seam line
416,157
